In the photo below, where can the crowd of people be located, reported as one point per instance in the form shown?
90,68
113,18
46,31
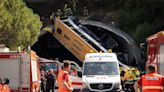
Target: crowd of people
128,77
129,73
149,82
48,80
69,11
51,78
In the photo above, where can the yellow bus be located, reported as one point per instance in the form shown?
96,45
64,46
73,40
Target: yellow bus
71,40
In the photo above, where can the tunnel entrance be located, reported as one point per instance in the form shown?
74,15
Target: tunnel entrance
108,36
50,48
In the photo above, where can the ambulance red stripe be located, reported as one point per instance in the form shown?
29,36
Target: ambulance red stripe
76,83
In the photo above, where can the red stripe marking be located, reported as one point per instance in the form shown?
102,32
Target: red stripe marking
9,56
76,83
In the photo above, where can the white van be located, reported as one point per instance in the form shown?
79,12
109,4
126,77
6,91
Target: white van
101,73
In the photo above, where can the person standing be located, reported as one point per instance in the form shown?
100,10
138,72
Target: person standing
65,10
70,12
43,81
59,13
64,81
74,72
52,17
0,85
151,82
51,79
85,11
5,87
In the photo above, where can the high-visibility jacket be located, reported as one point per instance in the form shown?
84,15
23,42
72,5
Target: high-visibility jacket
5,88
61,86
0,87
137,73
152,83
128,76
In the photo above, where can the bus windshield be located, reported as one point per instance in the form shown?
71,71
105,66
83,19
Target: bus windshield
100,68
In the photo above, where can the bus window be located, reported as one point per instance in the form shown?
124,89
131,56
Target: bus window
59,31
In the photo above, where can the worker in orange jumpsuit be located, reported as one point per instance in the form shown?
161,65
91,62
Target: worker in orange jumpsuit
64,82
0,85
151,82
5,87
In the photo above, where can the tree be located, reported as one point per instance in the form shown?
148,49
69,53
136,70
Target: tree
18,24
142,32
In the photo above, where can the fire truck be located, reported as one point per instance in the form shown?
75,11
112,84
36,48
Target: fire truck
22,69
155,50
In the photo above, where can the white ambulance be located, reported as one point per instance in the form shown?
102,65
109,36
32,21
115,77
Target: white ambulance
101,73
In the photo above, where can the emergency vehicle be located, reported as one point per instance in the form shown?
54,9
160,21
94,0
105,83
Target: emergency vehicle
101,72
77,78
46,64
57,66
155,50
21,69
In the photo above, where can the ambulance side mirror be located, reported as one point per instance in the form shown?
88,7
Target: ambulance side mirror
79,73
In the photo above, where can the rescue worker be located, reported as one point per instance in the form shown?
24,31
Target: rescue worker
5,87
85,11
70,12
74,5
110,50
137,72
0,85
122,73
127,75
59,13
52,17
133,74
151,82
64,82
66,13
65,10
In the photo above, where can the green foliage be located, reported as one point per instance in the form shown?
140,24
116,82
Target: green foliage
142,32
18,24
141,17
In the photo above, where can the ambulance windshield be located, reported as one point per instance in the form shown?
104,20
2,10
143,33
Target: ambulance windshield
100,68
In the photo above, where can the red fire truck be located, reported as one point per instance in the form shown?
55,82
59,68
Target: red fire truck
21,69
155,50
